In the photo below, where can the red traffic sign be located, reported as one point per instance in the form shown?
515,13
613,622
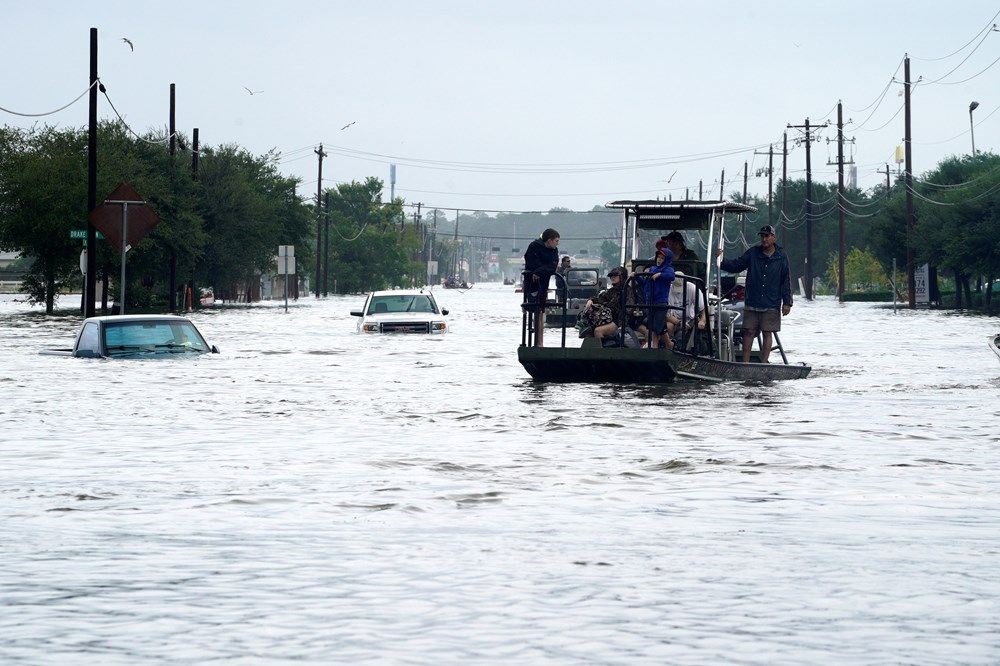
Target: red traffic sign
108,216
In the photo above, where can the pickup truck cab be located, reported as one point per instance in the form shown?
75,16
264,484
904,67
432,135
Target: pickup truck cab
401,311
136,336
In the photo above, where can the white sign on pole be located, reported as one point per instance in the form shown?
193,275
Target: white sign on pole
286,250
921,281
286,265
83,261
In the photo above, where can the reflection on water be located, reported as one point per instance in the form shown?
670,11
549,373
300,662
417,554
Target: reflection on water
318,496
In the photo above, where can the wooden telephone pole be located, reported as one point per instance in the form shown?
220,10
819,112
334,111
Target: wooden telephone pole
319,217
809,129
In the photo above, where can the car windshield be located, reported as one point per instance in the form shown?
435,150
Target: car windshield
401,303
144,337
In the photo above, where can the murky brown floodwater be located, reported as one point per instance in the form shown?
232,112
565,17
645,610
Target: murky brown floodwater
317,496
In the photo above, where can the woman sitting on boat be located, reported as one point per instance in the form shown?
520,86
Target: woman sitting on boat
657,284
603,311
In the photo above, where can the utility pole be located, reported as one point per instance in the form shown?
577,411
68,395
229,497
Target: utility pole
722,186
808,139
455,272
770,179
784,182
173,150
434,225
840,199
743,216
194,152
911,286
888,185
91,278
319,212
421,236
194,174
699,189
326,245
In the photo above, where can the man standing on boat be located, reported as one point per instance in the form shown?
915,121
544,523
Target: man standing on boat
768,290
675,241
541,260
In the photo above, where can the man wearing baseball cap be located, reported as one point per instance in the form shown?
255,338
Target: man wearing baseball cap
768,290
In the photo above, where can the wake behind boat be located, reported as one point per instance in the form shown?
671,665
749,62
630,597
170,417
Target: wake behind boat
707,354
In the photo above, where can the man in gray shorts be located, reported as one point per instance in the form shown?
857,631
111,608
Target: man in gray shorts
768,290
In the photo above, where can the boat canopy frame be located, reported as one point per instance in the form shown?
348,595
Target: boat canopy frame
686,215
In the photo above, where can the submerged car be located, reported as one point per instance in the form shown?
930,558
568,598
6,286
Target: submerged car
136,336
401,311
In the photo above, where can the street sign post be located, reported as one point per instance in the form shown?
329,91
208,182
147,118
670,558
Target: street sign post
81,234
104,218
286,266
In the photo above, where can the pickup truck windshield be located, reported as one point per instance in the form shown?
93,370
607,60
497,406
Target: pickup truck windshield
152,336
401,303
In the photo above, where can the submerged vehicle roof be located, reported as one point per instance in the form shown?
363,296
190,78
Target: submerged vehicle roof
137,318
656,214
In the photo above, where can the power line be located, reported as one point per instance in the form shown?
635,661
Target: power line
964,46
952,70
49,113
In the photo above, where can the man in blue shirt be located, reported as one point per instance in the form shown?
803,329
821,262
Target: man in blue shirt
768,290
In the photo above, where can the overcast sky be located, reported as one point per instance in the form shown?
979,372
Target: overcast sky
522,104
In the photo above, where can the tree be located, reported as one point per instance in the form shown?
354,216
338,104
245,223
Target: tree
862,271
367,250
41,190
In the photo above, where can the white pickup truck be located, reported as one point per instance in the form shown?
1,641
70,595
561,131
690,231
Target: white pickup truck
136,336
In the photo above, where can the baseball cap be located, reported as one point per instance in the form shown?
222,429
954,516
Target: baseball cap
766,230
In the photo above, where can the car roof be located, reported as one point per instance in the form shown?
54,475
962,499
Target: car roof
137,318
403,292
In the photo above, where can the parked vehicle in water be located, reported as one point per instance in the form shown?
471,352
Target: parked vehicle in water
581,285
706,354
401,311
136,336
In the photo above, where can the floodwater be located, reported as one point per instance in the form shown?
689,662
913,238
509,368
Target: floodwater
311,495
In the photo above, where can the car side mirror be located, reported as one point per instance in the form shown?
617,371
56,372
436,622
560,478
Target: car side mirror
444,312
215,350
357,313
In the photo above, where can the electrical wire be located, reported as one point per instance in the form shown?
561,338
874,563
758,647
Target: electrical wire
156,141
356,237
526,168
988,192
964,46
881,95
955,83
893,117
934,143
49,113
952,70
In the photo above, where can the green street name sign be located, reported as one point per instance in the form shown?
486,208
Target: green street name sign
82,233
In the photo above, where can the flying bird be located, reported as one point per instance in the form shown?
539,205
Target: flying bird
252,92
348,125
129,42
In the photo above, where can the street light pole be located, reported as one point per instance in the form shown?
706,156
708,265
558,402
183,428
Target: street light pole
972,128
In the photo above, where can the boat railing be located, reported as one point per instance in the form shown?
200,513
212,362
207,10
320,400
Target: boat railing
533,309
687,326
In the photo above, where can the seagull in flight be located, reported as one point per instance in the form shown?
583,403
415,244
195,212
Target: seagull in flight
129,42
348,125
252,92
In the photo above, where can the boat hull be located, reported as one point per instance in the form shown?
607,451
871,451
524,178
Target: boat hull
596,364
703,368
994,343
643,366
